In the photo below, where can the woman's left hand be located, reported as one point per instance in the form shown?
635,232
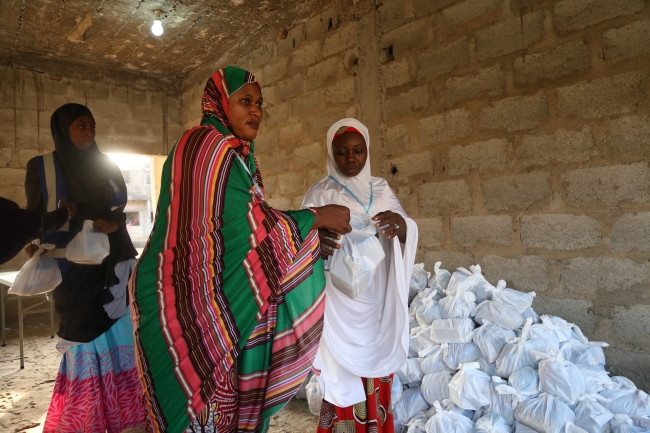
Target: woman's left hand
395,222
104,226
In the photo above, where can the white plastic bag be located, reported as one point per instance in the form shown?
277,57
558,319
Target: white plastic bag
455,354
596,378
521,428
546,336
491,338
314,395
88,247
457,305
410,371
445,421
518,353
621,423
525,381
440,279
470,280
470,387
493,423
627,399
506,316
40,274
560,377
435,386
354,265
520,301
396,390
416,425
419,279
434,361
425,341
488,368
500,403
411,404
544,413
579,350
572,428
560,327
532,314
591,415
452,330
428,311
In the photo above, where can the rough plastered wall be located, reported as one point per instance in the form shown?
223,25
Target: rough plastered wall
516,132
129,120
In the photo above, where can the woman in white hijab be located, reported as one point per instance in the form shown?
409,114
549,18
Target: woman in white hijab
365,339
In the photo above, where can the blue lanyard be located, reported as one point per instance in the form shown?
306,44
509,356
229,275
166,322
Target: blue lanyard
257,187
365,209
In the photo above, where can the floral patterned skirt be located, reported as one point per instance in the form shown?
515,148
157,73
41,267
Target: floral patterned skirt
371,416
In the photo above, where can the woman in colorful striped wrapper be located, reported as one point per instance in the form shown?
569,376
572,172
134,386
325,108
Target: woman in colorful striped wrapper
229,293
365,339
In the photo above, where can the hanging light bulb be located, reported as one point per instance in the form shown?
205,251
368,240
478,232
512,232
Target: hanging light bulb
157,28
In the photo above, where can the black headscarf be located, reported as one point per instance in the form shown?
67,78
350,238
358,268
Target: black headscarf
85,171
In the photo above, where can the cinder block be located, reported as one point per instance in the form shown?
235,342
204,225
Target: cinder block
407,103
469,10
525,273
275,71
293,40
292,183
403,194
291,134
306,103
631,327
589,275
314,28
426,7
290,87
562,146
491,155
487,81
430,232
628,135
572,58
509,36
516,113
519,191
310,154
442,60
394,13
618,94
265,142
627,42
411,165
315,175
520,4
633,365
342,39
270,184
395,73
631,232
611,185
444,197
296,203
491,229
260,57
12,177
277,114
340,92
560,232
273,162
571,15
396,140
447,126
317,126
24,155
6,154
279,203
572,310
307,55
323,71
403,39
450,260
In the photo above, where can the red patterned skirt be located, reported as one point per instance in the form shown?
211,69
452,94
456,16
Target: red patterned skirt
374,415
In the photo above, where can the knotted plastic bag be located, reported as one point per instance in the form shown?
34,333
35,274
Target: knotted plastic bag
591,415
560,377
445,421
434,361
470,387
520,301
354,264
506,316
411,404
560,327
435,386
396,390
626,398
596,378
428,311
455,354
88,247
452,330
440,279
40,274
419,279
470,280
500,403
544,413
491,338
518,353
457,305
579,350
314,395
493,423
621,423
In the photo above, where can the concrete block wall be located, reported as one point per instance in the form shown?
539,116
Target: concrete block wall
129,120
516,132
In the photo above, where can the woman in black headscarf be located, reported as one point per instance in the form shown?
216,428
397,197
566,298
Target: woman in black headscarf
97,386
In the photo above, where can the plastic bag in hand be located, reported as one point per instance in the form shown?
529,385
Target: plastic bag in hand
428,311
410,371
490,339
434,362
470,280
435,386
560,377
88,247
314,395
409,406
457,305
621,423
500,403
518,353
503,315
452,330
445,421
627,399
470,387
493,423
440,279
354,264
520,301
544,413
591,415
419,280
40,274
596,378
455,354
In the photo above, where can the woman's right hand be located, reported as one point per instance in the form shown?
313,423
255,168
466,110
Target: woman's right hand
334,218
327,244
31,249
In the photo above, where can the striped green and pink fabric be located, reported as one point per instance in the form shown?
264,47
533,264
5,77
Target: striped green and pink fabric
226,284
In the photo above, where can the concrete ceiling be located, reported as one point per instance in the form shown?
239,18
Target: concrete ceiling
120,39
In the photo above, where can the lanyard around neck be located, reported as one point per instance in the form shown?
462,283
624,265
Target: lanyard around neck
365,209
259,190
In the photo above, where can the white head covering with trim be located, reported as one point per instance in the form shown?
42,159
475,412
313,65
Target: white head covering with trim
359,184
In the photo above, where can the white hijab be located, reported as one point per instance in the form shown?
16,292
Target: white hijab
359,184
